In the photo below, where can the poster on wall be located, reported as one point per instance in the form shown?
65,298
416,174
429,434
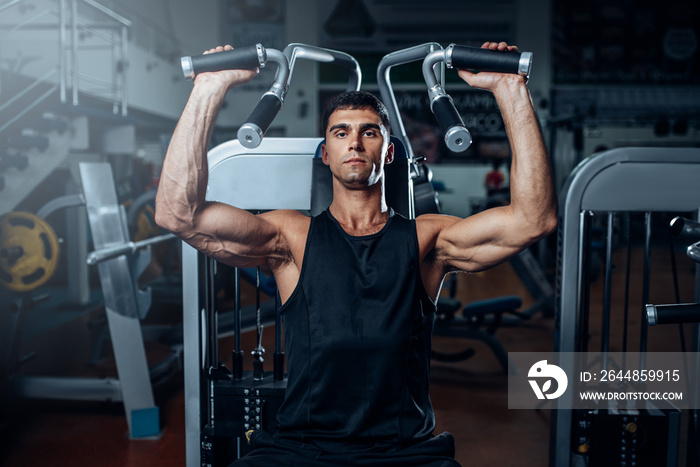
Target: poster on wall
626,42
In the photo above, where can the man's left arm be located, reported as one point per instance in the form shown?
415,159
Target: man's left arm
492,236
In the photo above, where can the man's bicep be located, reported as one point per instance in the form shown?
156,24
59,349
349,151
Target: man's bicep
480,241
233,236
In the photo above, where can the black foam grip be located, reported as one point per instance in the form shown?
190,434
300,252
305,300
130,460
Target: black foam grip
686,229
474,58
681,313
244,58
265,111
445,113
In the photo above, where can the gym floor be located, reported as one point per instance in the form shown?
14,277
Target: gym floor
469,397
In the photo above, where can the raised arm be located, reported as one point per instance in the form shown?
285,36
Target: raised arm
228,234
492,236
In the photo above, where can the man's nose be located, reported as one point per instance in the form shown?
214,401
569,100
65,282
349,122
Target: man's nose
356,142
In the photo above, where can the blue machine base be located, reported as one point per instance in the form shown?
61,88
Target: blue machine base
145,423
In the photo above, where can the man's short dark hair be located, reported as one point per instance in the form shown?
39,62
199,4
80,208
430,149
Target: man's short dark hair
351,100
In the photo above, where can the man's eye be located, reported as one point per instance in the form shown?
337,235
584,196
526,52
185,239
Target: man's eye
370,133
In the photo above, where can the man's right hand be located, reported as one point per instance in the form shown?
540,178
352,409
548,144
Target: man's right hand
228,78
491,80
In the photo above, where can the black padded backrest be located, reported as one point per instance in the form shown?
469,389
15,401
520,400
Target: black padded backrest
396,187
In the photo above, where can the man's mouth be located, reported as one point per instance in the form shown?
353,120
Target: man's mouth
355,160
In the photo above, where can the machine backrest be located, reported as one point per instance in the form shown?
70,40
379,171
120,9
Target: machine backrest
275,175
396,186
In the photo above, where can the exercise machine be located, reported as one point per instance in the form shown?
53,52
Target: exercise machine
259,173
611,186
28,257
686,230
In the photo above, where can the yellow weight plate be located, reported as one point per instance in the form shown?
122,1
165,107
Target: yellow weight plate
28,251
146,226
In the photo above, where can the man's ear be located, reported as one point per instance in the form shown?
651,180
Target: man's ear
324,154
389,154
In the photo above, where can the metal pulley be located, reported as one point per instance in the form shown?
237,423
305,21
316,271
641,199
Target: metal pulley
28,251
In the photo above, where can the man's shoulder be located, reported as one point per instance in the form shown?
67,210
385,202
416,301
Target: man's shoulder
434,223
286,217
292,225
428,229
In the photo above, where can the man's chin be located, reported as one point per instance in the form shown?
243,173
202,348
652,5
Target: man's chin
359,183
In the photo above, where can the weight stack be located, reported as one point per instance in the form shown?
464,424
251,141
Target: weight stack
640,438
239,406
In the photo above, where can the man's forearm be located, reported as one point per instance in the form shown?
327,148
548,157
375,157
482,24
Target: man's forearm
183,181
532,193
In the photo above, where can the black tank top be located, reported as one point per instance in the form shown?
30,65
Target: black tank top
358,332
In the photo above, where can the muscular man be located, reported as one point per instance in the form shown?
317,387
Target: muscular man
358,283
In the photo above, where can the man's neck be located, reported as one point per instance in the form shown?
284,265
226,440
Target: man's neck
360,212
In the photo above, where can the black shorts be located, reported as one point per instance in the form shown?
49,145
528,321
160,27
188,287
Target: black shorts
437,451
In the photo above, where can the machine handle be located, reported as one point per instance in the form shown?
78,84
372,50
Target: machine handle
457,137
251,133
295,51
670,314
685,228
693,252
475,58
243,58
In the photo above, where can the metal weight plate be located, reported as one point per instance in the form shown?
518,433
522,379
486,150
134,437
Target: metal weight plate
28,251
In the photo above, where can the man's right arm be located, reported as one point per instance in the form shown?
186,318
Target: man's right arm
226,233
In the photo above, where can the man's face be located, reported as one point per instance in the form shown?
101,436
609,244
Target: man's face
355,148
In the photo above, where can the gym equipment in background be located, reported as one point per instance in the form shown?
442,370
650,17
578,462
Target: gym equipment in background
28,256
679,313
612,186
28,251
